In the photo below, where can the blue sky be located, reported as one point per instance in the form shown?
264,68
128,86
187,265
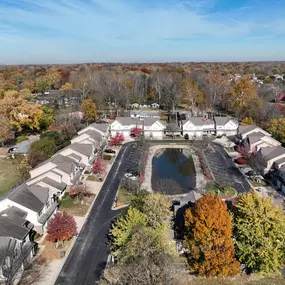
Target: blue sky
74,31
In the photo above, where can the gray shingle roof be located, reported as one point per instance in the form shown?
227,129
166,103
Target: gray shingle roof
60,186
94,135
85,149
272,152
221,121
74,156
192,197
9,228
126,121
15,214
255,137
33,199
64,163
200,121
245,129
101,127
279,161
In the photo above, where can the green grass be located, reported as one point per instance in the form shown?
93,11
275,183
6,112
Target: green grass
74,207
93,178
223,193
9,175
124,198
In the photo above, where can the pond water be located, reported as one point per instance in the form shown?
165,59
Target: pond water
173,171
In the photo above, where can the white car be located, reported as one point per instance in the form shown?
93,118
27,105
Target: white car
130,176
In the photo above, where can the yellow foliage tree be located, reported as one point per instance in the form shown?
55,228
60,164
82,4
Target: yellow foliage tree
20,113
247,121
243,92
89,109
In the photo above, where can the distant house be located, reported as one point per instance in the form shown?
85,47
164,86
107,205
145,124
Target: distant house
226,126
198,126
145,114
266,157
152,127
244,131
34,203
23,147
155,105
135,105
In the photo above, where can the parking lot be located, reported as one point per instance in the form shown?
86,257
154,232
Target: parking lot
224,169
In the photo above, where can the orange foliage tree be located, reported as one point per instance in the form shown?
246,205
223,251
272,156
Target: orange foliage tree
210,250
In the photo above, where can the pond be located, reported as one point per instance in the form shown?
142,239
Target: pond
173,171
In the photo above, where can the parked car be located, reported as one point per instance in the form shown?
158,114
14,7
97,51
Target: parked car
108,150
12,149
130,176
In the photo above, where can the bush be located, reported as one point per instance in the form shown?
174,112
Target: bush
241,161
21,139
107,156
86,172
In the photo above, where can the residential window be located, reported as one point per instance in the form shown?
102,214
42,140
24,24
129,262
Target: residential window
40,213
47,203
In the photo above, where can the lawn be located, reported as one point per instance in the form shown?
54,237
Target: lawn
9,175
74,207
223,192
124,197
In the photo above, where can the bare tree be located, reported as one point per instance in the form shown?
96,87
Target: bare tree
14,257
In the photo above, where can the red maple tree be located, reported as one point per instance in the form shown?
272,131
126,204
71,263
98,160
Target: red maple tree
136,131
99,165
117,139
61,227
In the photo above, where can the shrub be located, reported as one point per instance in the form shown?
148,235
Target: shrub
107,156
241,161
21,139
86,172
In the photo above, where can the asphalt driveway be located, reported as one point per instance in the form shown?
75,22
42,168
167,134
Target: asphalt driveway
88,257
224,169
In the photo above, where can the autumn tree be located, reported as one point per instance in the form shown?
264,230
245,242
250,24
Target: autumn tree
79,191
20,113
241,94
210,250
89,109
117,139
259,233
24,167
28,84
26,94
247,121
43,84
99,166
5,130
136,131
61,227
191,94
276,127
48,117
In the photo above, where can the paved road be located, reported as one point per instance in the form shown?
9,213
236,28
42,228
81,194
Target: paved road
224,169
88,257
